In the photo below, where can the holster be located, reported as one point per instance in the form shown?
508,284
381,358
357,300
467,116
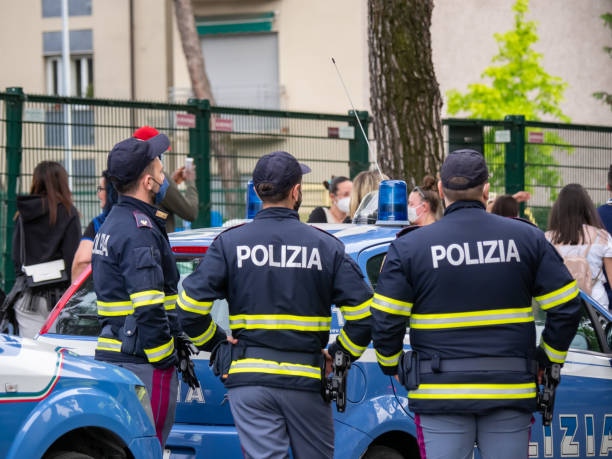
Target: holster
128,335
408,370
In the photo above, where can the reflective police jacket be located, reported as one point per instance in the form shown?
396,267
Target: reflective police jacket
135,280
280,278
466,284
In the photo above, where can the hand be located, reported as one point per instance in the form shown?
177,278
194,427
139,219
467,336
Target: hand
232,340
522,196
179,175
540,374
328,362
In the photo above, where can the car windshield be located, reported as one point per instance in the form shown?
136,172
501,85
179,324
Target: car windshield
79,316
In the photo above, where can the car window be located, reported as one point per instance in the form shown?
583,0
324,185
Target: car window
586,336
373,267
79,316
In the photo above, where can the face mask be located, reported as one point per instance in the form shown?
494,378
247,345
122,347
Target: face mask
298,203
161,193
412,213
343,204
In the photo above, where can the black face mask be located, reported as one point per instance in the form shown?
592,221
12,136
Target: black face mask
298,203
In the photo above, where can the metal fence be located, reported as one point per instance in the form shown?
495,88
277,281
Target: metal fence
224,142
539,157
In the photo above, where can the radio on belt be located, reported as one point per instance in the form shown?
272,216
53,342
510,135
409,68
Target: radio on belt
392,203
253,202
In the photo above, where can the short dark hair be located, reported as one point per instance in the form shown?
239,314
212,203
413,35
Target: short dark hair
264,188
469,194
332,185
124,188
572,209
506,206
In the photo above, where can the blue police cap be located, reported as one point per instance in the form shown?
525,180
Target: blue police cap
279,169
130,157
463,169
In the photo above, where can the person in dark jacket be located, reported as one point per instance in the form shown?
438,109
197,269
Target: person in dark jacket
51,231
465,285
280,278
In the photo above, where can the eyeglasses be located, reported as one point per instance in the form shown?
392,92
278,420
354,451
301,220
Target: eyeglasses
100,189
418,190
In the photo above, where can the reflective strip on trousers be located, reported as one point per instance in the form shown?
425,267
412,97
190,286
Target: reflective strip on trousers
108,344
170,302
115,308
391,306
355,349
472,319
474,391
390,361
186,303
557,297
161,352
206,336
280,322
148,297
553,354
357,312
271,367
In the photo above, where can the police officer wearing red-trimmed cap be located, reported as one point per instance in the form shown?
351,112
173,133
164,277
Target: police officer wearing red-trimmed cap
135,277
280,278
465,286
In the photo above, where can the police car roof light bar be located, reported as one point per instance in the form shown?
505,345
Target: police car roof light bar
348,96
393,203
254,204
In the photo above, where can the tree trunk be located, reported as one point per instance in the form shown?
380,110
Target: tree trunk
220,143
404,94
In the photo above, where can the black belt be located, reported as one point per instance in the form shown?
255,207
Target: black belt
267,353
478,364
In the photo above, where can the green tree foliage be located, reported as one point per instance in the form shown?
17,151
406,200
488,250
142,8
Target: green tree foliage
604,96
517,84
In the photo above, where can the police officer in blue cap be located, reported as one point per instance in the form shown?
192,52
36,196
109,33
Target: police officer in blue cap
135,277
280,278
465,286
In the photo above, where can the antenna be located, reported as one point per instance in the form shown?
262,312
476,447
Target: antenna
348,96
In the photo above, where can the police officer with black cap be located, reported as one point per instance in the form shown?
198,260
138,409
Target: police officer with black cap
135,278
280,278
465,285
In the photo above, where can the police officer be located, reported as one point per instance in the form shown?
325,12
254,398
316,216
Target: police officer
280,278
135,277
465,284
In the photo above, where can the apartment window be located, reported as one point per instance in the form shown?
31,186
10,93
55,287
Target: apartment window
81,76
53,8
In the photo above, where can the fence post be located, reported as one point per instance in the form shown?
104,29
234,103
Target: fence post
199,150
14,115
359,157
515,156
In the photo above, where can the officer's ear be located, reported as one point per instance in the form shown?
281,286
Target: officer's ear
440,192
485,192
295,191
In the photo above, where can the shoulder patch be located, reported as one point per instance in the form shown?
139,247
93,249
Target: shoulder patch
519,219
407,230
142,220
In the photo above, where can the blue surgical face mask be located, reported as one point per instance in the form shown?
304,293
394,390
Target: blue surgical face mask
163,187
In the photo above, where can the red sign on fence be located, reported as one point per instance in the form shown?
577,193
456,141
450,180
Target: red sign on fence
185,120
535,137
223,124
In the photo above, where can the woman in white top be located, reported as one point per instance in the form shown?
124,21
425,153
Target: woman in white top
575,229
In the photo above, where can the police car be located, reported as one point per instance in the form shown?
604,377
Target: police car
57,405
377,422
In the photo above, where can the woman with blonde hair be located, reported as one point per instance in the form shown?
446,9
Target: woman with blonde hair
364,183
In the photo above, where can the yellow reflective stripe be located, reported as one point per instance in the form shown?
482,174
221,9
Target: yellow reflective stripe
356,312
474,391
472,318
206,336
276,368
147,297
557,297
390,361
355,349
553,354
160,352
108,344
170,302
115,308
279,322
390,305
186,303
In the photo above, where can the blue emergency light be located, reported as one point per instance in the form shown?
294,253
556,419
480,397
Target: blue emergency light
392,203
253,202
